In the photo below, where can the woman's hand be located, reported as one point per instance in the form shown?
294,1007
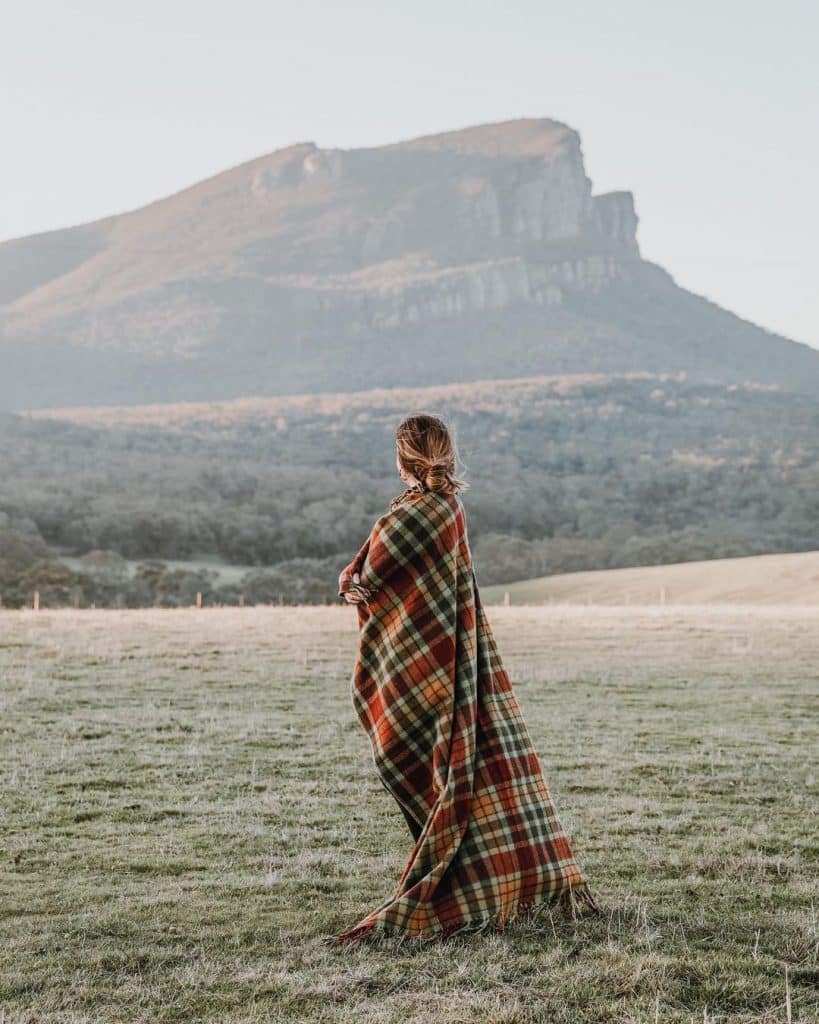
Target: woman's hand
360,594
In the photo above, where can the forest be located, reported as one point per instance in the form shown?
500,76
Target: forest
265,500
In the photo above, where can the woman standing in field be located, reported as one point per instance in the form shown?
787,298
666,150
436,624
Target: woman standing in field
448,738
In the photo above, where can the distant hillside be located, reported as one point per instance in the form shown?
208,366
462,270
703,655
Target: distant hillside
475,254
762,579
567,474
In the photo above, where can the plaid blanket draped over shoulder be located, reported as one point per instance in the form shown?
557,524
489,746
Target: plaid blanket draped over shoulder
448,738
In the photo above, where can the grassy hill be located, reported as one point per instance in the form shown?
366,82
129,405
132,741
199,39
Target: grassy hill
759,579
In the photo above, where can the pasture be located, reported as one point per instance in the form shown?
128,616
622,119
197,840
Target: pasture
791,578
189,806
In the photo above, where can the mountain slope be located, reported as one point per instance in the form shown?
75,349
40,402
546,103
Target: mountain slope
473,254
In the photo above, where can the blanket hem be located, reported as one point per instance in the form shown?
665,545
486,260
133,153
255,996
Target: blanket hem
570,901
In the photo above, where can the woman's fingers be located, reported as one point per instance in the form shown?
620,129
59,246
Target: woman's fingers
356,592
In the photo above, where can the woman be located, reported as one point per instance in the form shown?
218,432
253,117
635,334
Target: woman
448,739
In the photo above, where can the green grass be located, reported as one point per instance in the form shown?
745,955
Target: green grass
226,572
189,807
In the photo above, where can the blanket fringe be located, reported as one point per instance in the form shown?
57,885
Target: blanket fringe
572,902
351,934
578,898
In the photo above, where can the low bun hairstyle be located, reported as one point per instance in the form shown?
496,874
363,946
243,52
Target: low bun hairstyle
427,450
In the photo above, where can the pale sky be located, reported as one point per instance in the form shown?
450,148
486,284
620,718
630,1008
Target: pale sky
707,110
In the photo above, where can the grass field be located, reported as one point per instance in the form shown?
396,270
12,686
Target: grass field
189,806
791,578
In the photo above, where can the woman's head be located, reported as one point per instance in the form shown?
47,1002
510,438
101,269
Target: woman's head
425,451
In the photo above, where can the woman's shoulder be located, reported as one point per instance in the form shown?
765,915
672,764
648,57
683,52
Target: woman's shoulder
420,519
408,496
432,508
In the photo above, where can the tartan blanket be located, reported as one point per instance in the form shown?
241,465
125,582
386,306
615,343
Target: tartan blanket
448,738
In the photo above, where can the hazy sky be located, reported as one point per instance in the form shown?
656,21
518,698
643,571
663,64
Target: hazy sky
707,111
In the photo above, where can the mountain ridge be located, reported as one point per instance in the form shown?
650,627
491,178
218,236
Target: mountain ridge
480,252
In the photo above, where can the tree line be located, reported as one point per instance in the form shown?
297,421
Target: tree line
564,476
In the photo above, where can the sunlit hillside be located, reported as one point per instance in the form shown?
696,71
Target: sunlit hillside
760,579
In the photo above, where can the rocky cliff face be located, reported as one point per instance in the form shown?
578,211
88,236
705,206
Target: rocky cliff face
452,200
450,225
478,252
613,218
476,288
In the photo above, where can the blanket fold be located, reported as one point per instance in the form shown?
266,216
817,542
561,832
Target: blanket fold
448,738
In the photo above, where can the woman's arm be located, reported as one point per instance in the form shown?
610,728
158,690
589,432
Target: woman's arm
403,544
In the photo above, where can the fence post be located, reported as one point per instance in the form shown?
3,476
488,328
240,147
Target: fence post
506,599
36,600
198,598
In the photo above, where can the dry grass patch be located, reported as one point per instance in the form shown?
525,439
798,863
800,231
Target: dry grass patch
189,808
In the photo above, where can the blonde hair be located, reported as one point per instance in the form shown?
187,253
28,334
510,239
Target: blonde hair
427,450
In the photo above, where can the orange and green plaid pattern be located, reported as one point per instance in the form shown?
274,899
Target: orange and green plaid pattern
448,738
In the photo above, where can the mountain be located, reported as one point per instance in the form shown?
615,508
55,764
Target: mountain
480,253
